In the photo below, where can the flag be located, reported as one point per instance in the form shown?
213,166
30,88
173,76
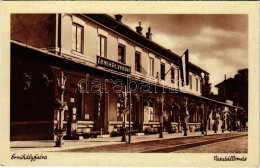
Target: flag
184,68
182,75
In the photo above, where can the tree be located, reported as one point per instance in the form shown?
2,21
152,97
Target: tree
241,88
206,88
241,92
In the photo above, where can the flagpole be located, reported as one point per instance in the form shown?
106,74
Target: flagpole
184,53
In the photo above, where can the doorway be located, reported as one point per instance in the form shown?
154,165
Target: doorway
136,115
99,111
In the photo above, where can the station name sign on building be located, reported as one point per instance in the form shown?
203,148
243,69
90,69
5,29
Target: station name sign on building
103,62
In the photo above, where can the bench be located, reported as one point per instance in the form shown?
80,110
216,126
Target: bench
92,134
119,132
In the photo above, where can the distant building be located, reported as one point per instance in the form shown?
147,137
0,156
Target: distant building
234,91
225,88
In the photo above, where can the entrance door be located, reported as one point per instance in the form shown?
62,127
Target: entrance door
99,112
74,113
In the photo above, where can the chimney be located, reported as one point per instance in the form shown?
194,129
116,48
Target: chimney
149,34
118,17
139,29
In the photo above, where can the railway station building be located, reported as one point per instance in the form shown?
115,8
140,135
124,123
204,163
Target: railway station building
85,73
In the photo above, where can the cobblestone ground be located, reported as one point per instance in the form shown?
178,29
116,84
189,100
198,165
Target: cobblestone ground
238,145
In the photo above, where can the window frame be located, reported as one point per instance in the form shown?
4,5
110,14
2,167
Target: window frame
76,38
190,76
197,84
100,37
151,68
201,86
172,75
162,63
139,62
124,51
178,77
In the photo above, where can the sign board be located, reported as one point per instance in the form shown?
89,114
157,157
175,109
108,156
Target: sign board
104,62
86,116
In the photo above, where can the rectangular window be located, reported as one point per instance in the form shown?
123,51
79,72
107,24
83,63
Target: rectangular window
151,111
102,46
197,84
178,77
121,54
162,71
151,67
190,82
172,75
201,87
137,62
77,38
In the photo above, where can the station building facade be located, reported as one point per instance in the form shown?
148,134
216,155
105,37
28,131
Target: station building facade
89,57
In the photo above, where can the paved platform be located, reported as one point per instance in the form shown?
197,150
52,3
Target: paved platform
48,145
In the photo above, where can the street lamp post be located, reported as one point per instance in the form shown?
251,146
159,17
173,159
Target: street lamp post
216,120
161,117
204,126
60,131
223,122
124,110
161,127
185,117
179,124
222,116
130,109
203,113
206,120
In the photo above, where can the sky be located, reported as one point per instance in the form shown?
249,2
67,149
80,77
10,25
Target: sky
216,43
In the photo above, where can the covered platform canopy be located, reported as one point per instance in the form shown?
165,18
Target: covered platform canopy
140,79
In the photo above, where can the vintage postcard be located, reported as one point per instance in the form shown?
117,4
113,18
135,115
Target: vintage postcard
152,84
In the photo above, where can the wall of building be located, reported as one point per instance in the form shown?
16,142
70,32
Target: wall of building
36,30
86,104
193,83
44,36
32,97
90,51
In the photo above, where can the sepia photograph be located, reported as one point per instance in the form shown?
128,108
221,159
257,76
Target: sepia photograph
99,81
127,83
